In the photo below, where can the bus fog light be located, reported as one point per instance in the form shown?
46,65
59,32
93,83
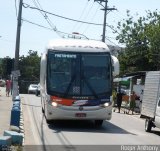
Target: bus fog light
54,104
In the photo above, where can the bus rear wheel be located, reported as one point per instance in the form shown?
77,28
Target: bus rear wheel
98,123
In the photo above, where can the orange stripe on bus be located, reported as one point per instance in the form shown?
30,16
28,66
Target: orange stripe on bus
67,102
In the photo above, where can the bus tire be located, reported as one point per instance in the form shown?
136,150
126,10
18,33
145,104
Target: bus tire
42,106
98,123
42,110
47,121
148,125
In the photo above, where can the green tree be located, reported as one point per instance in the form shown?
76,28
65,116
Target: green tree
30,70
30,66
141,38
6,66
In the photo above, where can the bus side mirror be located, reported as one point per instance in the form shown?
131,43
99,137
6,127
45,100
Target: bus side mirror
115,66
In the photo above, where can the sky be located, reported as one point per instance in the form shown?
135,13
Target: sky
35,38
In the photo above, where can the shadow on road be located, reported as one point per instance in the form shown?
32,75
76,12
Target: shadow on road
156,132
85,126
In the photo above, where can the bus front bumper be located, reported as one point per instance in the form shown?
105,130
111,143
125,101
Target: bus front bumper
79,113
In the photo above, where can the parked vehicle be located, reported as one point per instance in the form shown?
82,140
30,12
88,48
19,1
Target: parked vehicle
32,88
76,80
2,83
151,100
38,90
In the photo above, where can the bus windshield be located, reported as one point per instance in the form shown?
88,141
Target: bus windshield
72,74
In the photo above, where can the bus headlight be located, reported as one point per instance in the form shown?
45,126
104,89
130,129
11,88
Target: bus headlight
107,104
54,104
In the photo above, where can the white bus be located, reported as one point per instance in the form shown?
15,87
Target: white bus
76,80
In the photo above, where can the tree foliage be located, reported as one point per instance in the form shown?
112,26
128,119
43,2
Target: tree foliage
30,70
30,66
141,38
6,66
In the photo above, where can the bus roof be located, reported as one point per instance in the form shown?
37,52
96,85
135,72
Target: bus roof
78,45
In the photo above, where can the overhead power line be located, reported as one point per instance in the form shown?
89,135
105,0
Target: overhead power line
28,6
91,19
37,24
55,29
33,23
83,10
38,5
81,15
85,16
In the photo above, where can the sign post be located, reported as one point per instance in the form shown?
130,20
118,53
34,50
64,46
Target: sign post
15,89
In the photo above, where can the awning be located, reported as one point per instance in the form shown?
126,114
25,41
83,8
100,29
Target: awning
123,81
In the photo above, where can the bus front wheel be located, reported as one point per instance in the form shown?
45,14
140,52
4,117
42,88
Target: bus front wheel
98,123
148,125
42,110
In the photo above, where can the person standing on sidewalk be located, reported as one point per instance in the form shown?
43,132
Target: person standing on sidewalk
119,98
132,102
140,102
114,97
8,87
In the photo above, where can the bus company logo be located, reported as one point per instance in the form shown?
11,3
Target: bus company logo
57,100
80,102
81,108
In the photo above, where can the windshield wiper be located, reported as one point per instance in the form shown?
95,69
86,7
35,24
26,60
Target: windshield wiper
89,86
69,86
87,83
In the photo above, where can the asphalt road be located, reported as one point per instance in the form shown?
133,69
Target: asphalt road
121,130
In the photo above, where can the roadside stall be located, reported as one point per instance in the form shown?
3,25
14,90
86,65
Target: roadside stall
130,84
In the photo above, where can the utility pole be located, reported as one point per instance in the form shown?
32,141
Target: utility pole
104,23
16,72
18,36
106,11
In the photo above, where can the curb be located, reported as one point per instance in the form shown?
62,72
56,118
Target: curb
15,134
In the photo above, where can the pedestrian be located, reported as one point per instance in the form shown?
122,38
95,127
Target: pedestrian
8,87
140,102
114,96
132,102
119,99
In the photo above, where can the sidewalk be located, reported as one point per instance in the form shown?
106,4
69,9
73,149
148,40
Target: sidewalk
5,110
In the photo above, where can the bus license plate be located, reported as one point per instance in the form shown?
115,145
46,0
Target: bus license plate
80,114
